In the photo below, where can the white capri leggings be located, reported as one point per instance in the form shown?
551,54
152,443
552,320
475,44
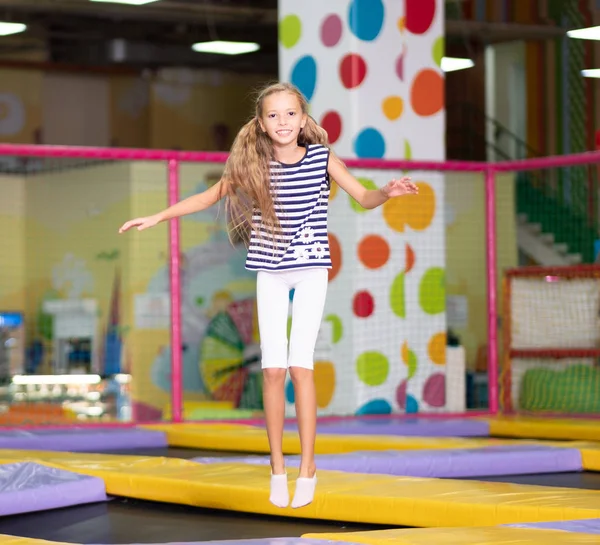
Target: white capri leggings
273,299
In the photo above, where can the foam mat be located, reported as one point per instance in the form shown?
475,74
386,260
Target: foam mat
245,438
350,497
461,536
10,540
545,428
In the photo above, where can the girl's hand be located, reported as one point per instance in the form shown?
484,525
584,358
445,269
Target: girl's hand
403,186
140,223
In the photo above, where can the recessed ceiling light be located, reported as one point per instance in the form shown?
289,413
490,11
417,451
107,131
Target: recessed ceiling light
591,73
6,29
590,33
129,2
451,64
226,48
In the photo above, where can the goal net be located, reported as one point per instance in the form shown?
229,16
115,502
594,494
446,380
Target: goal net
551,343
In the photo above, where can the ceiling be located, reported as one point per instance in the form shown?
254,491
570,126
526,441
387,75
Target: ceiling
160,34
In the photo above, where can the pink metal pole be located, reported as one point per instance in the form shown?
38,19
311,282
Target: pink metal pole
175,277
492,286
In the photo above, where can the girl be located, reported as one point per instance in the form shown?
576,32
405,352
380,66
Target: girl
276,183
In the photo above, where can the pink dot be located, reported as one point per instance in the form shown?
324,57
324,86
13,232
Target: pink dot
331,30
401,394
400,65
332,123
364,304
353,70
434,391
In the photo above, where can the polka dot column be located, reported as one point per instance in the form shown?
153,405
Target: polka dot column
371,72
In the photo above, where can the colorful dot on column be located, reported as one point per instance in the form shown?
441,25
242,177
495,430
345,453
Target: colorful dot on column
401,394
304,76
333,190
397,298
292,291
370,144
393,107
324,374
375,406
407,150
400,64
412,405
436,348
331,30
365,18
410,360
427,93
419,15
353,70
409,258
373,251
290,31
289,392
372,368
363,304
337,327
414,211
432,291
335,251
367,184
438,51
401,24
332,123
434,391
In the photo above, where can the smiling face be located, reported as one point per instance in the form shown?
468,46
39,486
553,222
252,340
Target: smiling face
282,118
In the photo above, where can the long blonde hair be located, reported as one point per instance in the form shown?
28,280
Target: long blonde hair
247,169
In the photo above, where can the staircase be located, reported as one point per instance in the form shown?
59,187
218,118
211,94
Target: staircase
557,217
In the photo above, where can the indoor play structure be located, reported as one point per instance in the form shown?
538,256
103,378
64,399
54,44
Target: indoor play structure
430,473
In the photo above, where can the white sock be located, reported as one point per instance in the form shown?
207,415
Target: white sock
305,491
279,490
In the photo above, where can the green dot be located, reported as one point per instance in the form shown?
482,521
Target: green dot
289,326
290,30
432,292
372,368
336,326
438,51
397,300
412,364
367,184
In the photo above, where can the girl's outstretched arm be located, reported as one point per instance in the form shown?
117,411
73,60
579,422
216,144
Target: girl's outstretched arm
367,198
195,203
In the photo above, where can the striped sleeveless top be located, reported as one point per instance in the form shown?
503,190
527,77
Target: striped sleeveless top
301,195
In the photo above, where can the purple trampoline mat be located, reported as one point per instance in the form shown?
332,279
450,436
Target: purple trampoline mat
417,427
445,463
590,526
26,487
268,541
82,439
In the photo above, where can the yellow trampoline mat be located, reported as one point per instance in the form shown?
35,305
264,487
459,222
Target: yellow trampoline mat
545,428
460,536
349,497
245,438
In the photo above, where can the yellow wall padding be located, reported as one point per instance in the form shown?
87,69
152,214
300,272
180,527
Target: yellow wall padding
245,438
545,428
461,536
351,497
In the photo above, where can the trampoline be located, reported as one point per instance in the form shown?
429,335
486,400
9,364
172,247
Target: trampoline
131,485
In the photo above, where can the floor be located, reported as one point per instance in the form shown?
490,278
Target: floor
125,520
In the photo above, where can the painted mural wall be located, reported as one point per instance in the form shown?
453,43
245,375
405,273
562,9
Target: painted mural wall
371,71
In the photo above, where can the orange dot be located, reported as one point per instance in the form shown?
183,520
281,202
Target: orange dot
373,251
437,348
324,382
333,190
416,211
335,251
410,258
427,92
